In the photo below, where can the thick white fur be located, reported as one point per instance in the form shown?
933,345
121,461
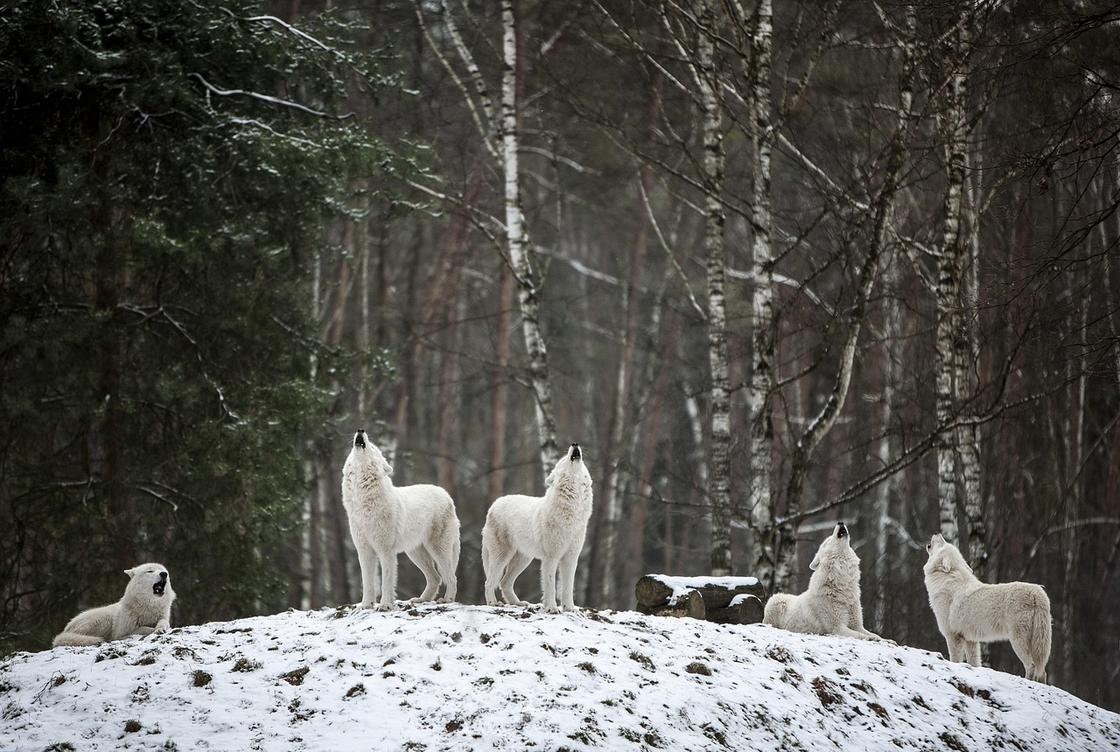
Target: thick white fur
139,611
385,520
550,528
969,612
831,605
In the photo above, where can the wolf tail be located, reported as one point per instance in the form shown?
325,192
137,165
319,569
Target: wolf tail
775,612
1040,637
75,638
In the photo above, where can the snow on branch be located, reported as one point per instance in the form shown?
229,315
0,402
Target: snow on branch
211,89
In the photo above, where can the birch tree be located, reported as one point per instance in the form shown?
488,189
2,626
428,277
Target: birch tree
506,150
762,299
517,239
958,455
719,465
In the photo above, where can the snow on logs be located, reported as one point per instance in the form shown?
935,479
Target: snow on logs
724,600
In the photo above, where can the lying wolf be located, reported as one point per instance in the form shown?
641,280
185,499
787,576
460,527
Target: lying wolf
550,528
969,612
145,608
831,604
385,520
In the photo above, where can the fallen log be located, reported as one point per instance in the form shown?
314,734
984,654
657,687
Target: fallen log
690,604
726,600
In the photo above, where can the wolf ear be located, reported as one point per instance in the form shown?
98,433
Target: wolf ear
130,572
550,479
943,565
386,468
816,562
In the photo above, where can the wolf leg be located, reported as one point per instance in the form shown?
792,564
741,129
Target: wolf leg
568,579
445,554
423,559
76,639
958,648
388,581
513,568
367,561
1034,663
548,585
849,632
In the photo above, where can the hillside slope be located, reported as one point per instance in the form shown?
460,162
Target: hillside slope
468,677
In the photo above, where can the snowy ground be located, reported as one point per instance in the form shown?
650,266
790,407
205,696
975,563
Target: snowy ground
470,677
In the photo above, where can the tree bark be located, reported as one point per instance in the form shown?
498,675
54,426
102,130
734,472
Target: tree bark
719,442
519,248
966,379
950,335
762,303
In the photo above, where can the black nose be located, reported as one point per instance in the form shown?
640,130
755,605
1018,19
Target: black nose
841,530
360,438
163,575
576,453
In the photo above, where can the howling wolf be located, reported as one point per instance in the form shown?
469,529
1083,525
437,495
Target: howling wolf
969,612
385,520
550,528
831,604
145,608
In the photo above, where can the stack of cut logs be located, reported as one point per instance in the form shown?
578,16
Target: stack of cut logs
725,600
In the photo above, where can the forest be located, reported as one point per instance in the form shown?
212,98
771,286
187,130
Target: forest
771,264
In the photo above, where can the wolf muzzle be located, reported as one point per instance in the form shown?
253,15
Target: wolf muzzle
575,454
841,530
161,585
360,438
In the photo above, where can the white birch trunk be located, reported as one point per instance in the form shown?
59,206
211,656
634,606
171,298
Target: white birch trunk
950,334
967,359
762,305
518,242
719,446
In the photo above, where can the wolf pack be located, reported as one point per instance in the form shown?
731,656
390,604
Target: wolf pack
420,521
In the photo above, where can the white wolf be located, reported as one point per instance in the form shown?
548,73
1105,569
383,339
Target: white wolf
144,608
831,605
385,520
969,612
550,528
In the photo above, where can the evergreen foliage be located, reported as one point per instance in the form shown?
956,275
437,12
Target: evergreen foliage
166,168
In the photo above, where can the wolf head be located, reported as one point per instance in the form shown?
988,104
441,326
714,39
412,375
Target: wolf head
837,544
944,557
149,582
570,470
367,458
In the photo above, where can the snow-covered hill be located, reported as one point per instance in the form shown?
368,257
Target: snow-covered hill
469,677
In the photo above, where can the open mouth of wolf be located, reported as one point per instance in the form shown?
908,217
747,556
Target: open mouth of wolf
576,453
159,587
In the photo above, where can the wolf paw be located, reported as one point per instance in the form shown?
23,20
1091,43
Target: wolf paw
551,609
574,609
384,607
